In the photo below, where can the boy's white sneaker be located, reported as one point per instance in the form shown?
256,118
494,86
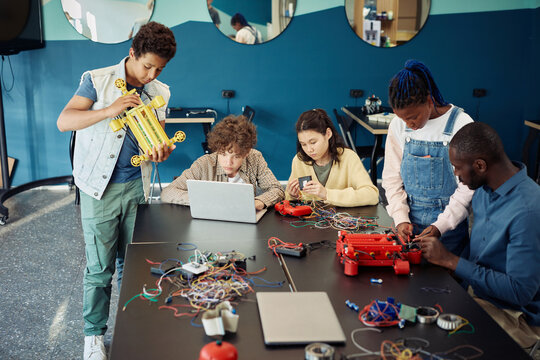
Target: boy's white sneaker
94,349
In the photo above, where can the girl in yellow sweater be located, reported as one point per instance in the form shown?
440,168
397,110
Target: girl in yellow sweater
337,174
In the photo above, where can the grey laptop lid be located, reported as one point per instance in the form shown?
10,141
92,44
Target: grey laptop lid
226,201
298,318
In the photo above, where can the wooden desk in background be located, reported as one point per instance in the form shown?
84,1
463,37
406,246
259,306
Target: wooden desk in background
204,116
379,129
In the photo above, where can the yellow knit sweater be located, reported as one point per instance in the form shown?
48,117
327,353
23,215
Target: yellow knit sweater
348,184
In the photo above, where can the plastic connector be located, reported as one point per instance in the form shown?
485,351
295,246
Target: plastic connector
298,251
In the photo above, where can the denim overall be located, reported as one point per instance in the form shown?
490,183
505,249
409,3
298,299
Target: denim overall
429,182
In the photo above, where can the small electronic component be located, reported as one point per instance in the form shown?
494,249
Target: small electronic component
232,257
298,251
159,272
319,351
449,321
302,181
426,314
352,305
195,268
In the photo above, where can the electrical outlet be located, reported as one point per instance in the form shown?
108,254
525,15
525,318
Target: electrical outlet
227,94
479,93
356,93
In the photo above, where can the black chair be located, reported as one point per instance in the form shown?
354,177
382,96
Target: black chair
248,112
364,152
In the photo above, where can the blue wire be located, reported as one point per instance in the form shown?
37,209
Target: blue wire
193,323
185,247
163,262
274,284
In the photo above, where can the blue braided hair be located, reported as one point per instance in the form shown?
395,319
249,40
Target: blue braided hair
412,85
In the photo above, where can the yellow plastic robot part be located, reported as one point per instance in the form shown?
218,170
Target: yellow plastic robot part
144,125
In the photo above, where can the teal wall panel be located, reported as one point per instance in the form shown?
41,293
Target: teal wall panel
312,64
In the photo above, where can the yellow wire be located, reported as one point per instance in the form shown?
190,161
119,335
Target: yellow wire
464,323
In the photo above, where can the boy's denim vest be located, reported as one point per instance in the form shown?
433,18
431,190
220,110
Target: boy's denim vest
97,147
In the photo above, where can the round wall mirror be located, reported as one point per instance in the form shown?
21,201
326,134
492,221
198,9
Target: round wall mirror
108,21
251,21
387,23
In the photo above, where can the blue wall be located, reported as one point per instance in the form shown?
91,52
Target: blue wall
259,11
313,63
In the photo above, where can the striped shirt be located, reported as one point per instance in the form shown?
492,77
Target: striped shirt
254,170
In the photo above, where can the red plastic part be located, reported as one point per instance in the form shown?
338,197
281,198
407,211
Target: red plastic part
218,351
414,257
401,267
351,267
286,208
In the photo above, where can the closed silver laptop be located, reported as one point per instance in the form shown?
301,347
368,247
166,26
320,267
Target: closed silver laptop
214,200
298,318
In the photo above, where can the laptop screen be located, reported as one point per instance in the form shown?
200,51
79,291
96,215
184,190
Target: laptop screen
216,200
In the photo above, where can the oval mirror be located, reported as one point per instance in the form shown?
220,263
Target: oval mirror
108,21
387,23
251,21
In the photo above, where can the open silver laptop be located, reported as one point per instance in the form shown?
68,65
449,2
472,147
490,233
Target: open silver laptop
216,200
289,318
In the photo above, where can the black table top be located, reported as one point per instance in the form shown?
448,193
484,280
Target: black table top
173,223
142,331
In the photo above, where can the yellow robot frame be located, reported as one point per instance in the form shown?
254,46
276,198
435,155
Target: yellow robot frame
144,125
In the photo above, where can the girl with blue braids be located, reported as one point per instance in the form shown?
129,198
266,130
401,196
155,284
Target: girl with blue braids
424,197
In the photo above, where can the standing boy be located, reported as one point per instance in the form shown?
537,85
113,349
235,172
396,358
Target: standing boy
111,188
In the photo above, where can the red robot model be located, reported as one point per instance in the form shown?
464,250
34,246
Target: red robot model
354,250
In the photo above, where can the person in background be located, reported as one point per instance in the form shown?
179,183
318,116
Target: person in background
245,33
338,176
214,15
111,188
502,270
233,159
423,194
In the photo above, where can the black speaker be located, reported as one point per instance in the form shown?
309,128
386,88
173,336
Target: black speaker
20,26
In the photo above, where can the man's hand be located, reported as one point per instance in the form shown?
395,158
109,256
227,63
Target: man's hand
434,251
405,230
122,103
160,153
293,188
431,230
315,188
259,205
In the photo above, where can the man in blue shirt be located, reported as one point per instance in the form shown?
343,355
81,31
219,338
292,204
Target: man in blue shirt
502,271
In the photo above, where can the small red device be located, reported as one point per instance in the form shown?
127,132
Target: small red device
285,207
218,350
356,250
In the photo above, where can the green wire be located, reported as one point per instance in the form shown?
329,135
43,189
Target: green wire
147,297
